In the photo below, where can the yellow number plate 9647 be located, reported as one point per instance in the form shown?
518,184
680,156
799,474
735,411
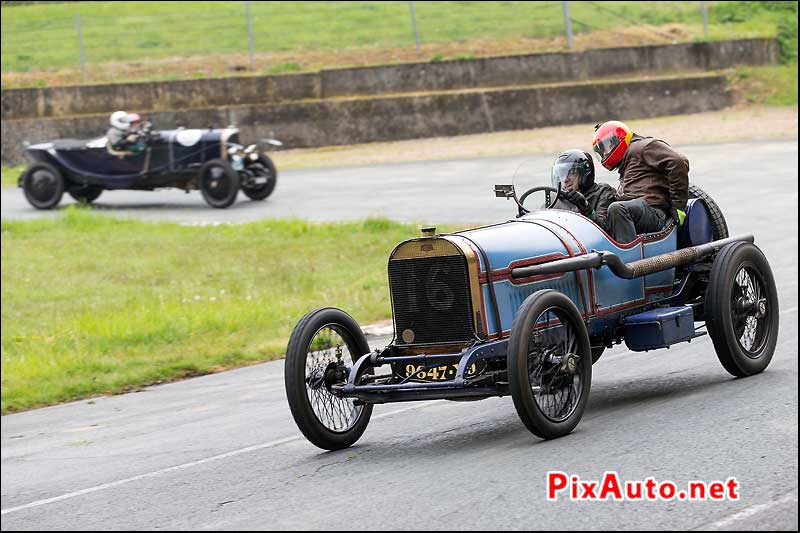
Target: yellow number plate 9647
436,373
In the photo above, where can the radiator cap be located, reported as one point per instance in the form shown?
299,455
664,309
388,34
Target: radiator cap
430,231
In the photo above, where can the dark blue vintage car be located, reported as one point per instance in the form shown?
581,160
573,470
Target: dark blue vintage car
524,308
212,160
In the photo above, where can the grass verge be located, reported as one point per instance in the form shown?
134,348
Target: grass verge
774,85
95,305
9,175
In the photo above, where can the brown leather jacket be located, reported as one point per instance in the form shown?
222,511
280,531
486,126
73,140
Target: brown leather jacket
653,171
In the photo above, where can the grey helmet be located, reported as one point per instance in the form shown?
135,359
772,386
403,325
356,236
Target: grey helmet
573,164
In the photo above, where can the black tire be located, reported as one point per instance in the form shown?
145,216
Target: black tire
299,380
718,224
536,356
741,297
43,185
262,191
87,194
219,183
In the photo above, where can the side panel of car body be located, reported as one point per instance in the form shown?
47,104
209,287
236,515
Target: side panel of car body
89,162
509,245
599,295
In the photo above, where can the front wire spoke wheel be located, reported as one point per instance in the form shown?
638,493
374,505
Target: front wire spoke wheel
558,396
265,177
549,364
328,352
322,350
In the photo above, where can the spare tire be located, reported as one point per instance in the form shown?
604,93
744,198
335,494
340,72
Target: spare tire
718,224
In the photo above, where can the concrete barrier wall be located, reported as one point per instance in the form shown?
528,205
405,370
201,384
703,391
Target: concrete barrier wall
360,120
412,77
547,68
156,96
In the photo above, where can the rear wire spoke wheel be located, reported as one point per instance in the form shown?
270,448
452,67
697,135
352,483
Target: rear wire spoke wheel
748,304
323,347
219,183
549,364
741,309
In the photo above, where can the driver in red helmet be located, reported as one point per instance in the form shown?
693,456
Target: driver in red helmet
653,180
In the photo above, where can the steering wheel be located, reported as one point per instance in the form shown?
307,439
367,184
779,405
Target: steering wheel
547,189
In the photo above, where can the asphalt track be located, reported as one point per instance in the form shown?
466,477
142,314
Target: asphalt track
222,451
458,191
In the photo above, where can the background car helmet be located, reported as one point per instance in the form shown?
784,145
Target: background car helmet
134,118
120,120
611,140
574,169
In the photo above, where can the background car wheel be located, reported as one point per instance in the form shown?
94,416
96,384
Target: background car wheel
43,185
321,340
86,195
741,309
265,168
219,183
549,364
718,224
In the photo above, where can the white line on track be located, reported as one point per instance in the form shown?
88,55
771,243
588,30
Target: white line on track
726,523
190,464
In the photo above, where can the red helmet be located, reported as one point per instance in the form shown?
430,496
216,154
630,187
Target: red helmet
611,141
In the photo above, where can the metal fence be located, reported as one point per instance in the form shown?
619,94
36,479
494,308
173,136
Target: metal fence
101,39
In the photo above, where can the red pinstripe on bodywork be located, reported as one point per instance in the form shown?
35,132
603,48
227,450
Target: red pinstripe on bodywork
592,308
501,274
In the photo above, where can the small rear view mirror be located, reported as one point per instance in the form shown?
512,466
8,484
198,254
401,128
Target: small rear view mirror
504,191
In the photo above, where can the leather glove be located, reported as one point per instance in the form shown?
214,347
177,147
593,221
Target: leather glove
579,201
678,215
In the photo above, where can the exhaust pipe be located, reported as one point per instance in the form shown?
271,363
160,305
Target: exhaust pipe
635,269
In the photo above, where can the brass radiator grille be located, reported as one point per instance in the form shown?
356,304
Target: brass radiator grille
431,300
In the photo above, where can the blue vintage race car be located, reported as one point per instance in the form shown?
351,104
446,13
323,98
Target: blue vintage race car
524,307
211,160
